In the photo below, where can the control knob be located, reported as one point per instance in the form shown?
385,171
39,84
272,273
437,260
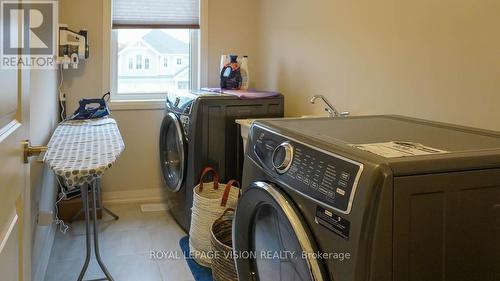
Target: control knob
282,157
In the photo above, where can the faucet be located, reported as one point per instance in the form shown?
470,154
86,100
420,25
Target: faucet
332,111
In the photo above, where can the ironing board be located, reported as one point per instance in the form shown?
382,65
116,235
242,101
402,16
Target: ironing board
80,152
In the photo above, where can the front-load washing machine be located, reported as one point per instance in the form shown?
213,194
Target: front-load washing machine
199,130
379,198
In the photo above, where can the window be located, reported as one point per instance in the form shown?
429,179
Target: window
138,62
182,85
152,38
157,46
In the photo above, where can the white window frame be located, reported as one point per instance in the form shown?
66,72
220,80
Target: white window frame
194,70
107,83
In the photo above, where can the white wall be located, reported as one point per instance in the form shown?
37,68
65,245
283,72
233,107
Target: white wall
431,59
43,119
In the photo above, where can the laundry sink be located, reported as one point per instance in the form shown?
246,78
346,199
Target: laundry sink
245,125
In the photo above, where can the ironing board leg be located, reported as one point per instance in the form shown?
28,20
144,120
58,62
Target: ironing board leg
76,216
115,216
85,203
101,206
96,234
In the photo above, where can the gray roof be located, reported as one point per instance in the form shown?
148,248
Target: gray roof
164,43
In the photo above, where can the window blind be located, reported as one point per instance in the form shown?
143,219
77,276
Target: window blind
156,13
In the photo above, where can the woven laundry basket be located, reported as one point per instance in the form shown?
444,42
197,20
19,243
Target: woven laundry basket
223,263
209,203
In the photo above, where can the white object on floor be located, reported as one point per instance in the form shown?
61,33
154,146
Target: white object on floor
157,207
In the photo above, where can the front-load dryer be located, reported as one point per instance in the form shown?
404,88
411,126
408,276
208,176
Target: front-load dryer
380,198
199,130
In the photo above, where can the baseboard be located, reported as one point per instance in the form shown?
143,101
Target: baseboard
150,195
43,235
42,263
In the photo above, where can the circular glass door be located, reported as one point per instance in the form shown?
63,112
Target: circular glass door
277,247
272,230
172,152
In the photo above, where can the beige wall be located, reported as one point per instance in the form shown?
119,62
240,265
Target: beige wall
436,60
86,81
139,166
137,172
431,59
232,30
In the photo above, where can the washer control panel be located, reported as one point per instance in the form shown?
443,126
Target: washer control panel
185,121
282,157
180,103
325,177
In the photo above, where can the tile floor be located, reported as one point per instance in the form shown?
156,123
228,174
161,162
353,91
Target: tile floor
125,246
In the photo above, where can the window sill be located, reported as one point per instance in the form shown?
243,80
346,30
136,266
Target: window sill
156,104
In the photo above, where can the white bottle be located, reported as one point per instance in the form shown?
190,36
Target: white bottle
224,59
245,74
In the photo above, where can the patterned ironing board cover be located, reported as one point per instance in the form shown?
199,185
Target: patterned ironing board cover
80,151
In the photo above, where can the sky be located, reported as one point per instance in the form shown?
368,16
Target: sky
127,35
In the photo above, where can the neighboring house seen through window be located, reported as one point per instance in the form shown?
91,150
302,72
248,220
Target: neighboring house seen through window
138,62
182,85
139,51
130,63
155,49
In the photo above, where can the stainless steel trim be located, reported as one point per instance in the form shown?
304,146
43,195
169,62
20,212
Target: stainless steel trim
171,106
180,138
356,180
298,228
332,111
287,162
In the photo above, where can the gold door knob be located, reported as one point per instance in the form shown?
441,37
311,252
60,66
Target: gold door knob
30,151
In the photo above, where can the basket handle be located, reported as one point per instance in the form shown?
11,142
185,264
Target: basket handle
225,213
215,177
227,190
